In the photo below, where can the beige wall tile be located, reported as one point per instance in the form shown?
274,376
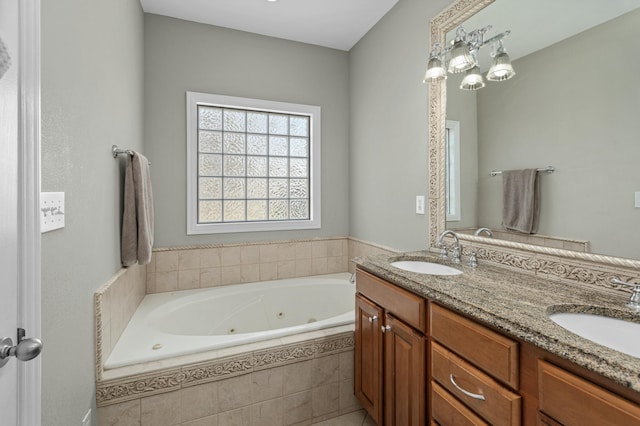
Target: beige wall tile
166,281
151,267
319,249
348,400
303,267
303,250
250,255
205,421
167,261
188,280
319,266
337,264
268,253
297,408
268,413
234,393
161,410
230,256
268,271
346,365
189,259
286,251
297,377
210,258
239,417
249,273
210,277
151,282
123,414
286,269
230,275
325,370
325,400
199,401
334,248
267,384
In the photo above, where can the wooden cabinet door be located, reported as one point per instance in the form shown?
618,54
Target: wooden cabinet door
368,357
404,377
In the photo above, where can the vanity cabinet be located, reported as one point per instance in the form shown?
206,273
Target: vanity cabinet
567,399
458,372
390,345
476,366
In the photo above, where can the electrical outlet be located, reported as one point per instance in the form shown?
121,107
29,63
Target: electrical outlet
419,204
51,211
86,421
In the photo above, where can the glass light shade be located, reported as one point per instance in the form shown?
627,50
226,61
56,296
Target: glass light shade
461,58
473,80
435,70
501,68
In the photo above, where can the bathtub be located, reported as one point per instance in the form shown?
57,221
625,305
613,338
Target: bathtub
167,325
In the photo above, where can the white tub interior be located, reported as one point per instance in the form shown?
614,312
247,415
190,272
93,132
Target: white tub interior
179,323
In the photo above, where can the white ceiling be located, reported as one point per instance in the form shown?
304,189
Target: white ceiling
338,24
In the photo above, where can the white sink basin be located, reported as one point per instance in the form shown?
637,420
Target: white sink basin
614,333
428,268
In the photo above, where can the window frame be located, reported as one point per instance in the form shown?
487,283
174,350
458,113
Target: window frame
194,99
452,181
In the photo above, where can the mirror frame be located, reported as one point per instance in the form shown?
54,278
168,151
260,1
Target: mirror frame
558,263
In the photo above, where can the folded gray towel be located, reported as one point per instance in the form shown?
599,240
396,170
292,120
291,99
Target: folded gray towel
520,200
137,218
5,59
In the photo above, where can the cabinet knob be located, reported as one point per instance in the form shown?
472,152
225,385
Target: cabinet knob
373,318
385,328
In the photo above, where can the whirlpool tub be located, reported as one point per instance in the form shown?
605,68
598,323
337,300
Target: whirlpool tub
167,325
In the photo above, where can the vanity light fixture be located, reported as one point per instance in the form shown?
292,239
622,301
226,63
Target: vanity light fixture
462,56
472,80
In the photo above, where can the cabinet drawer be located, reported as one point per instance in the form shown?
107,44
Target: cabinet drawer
410,308
448,411
484,395
488,350
571,400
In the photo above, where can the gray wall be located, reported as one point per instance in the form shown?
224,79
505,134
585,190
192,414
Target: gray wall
389,127
571,106
183,56
92,73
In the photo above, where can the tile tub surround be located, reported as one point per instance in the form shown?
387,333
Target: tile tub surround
184,268
294,384
519,304
114,305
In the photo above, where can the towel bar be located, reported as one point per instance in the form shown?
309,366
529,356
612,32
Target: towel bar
548,169
115,151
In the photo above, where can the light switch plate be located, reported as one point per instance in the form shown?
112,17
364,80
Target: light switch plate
637,199
51,211
419,204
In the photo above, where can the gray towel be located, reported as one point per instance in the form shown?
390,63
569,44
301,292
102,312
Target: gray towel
5,59
520,200
137,219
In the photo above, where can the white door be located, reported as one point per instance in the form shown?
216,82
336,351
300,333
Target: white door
9,206
19,188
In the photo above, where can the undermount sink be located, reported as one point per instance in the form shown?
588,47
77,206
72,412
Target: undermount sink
614,333
428,268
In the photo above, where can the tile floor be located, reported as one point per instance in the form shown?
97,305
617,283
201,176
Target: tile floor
357,418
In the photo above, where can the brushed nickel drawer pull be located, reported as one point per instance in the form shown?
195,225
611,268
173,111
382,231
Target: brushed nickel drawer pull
373,318
466,392
385,328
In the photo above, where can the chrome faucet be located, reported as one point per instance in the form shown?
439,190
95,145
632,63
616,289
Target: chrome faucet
455,254
485,230
634,301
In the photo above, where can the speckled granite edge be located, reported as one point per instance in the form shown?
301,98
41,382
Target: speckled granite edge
518,305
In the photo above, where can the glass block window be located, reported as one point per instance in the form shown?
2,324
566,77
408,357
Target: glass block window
254,165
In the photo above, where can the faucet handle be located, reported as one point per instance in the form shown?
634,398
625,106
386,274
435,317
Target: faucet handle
443,253
634,301
455,255
473,259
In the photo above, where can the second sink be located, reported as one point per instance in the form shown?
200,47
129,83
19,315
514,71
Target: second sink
428,268
614,333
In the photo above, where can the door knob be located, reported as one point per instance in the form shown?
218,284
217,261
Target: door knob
26,349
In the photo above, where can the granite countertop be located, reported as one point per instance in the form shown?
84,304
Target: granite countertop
519,304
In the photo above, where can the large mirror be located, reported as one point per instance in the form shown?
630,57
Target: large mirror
574,104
